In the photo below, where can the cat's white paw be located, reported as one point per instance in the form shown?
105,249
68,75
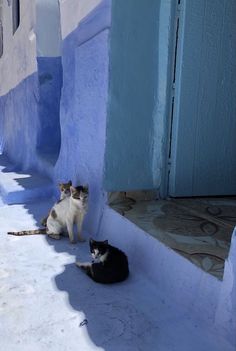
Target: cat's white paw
54,236
78,264
83,264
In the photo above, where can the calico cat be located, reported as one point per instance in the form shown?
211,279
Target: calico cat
64,192
63,215
111,266
64,189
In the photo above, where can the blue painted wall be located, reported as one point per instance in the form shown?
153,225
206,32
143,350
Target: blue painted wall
50,84
20,123
132,95
29,116
84,107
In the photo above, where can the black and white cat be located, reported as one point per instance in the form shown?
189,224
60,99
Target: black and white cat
111,264
69,210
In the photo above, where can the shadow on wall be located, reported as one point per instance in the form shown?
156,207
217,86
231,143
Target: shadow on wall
2,141
50,84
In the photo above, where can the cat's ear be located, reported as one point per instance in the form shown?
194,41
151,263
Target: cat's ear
105,242
70,182
85,188
91,241
72,189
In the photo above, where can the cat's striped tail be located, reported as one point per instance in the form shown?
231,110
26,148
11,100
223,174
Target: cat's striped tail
29,232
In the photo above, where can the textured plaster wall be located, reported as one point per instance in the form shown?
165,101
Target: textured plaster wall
19,123
132,95
19,86
30,100
75,11
19,50
30,111
83,108
55,20
139,94
48,28
50,84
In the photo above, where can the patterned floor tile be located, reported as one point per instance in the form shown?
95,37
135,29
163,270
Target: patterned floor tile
198,229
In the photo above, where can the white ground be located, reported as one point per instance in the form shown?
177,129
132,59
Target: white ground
44,297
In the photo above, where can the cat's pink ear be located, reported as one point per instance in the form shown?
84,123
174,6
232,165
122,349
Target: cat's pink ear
72,189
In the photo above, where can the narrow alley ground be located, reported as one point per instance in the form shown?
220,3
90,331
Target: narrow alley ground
45,300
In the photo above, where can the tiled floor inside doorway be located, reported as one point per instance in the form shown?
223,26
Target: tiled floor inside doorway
200,229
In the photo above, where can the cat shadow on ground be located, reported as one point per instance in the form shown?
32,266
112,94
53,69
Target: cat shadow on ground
117,316
112,315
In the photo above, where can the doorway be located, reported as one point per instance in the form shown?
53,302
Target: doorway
203,138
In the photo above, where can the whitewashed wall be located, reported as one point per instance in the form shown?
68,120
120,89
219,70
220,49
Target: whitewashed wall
48,28
19,50
72,12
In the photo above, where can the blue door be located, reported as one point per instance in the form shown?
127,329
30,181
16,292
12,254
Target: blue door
203,140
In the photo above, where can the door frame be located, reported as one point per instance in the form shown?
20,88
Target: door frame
174,51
